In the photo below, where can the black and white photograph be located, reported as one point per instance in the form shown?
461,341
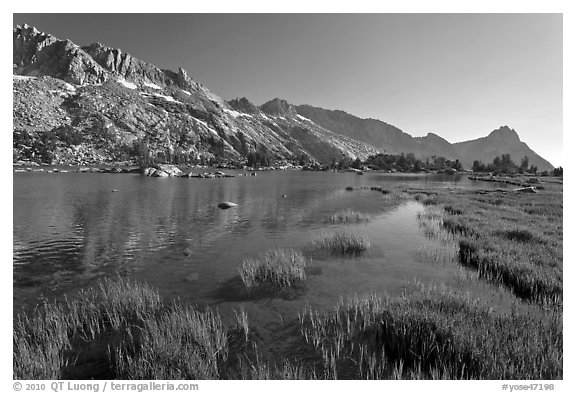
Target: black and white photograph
286,196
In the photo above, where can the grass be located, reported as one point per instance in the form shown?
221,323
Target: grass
120,330
442,254
242,323
283,268
348,216
510,238
345,242
123,330
181,343
434,334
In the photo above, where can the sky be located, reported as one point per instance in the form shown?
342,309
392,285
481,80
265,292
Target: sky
457,75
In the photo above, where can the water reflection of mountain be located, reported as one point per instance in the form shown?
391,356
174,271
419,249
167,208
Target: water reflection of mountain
72,227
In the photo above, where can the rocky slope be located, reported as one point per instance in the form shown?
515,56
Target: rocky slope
95,104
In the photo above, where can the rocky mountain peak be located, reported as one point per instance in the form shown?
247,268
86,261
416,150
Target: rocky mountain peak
243,105
182,77
279,107
36,53
505,133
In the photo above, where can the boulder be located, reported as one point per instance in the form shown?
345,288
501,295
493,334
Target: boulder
159,173
171,170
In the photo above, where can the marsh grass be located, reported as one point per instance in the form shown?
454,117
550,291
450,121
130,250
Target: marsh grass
120,329
285,370
181,343
282,268
348,216
511,239
434,334
54,338
242,323
427,333
344,242
442,254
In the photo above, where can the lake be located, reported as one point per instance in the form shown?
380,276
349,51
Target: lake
71,229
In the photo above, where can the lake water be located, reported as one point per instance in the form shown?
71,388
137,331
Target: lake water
70,229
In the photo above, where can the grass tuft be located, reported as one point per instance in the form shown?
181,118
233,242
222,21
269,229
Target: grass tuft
348,216
345,242
283,268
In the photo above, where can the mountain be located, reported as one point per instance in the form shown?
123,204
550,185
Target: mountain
391,139
502,140
386,137
94,104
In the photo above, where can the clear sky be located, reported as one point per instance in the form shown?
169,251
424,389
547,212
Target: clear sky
457,75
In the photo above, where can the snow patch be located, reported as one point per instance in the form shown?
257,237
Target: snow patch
126,84
205,125
22,77
235,114
152,85
167,98
186,92
303,118
69,87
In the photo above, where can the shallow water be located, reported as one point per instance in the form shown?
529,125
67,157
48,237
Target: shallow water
71,229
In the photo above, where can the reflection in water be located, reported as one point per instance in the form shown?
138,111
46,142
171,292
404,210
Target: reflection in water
70,229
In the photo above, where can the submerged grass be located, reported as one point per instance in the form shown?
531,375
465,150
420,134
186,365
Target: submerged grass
282,268
348,216
345,242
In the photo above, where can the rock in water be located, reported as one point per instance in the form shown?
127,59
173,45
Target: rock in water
526,189
226,205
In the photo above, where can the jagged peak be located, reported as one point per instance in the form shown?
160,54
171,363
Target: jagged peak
28,28
279,107
505,132
242,104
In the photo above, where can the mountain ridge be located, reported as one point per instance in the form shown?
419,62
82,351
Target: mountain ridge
393,140
118,106
113,106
